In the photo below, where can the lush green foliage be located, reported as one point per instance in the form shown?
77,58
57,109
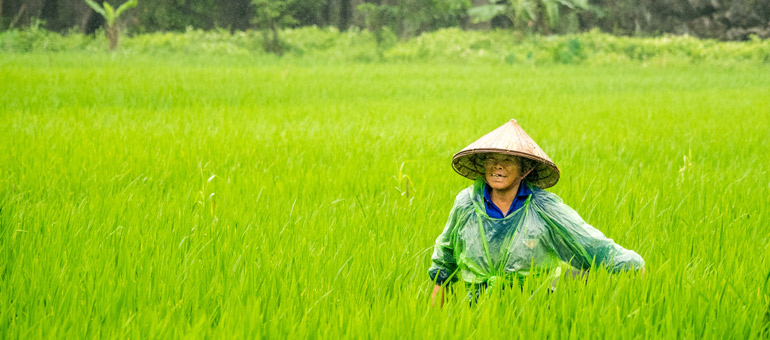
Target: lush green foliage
108,12
407,18
715,19
449,45
225,195
528,15
111,14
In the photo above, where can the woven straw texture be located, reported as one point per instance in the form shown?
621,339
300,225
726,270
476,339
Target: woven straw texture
512,140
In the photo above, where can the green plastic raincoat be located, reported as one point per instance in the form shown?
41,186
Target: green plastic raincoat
536,238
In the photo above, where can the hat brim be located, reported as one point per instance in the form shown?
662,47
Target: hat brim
468,164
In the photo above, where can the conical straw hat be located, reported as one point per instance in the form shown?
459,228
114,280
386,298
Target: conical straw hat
512,140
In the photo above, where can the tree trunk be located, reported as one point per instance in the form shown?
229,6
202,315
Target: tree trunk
18,15
112,35
277,46
325,13
346,12
49,13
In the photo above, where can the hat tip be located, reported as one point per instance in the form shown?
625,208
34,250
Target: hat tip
513,121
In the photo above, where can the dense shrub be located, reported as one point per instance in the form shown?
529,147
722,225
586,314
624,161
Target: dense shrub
448,46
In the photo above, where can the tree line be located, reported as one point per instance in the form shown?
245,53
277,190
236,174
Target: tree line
718,19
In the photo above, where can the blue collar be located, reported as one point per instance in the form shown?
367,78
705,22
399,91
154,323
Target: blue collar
495,212
524,191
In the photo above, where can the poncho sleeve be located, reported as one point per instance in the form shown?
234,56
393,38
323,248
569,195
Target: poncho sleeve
443,263
577,242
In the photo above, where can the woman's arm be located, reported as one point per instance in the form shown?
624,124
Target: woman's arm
443,263
579,243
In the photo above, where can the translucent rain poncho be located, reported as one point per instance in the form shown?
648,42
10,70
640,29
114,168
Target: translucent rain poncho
536,238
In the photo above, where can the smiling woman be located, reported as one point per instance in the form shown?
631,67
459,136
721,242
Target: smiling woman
503,175
505,227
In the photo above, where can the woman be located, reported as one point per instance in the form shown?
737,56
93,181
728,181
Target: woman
505,227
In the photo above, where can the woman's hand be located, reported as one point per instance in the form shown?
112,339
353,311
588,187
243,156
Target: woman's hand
436,290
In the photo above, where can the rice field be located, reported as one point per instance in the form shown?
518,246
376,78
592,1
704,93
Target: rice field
227,197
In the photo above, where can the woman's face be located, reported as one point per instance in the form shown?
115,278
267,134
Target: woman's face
502,171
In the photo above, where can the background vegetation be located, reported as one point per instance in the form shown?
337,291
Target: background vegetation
312,45
714,19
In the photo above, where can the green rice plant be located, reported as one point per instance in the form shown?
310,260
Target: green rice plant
405,185
108,226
